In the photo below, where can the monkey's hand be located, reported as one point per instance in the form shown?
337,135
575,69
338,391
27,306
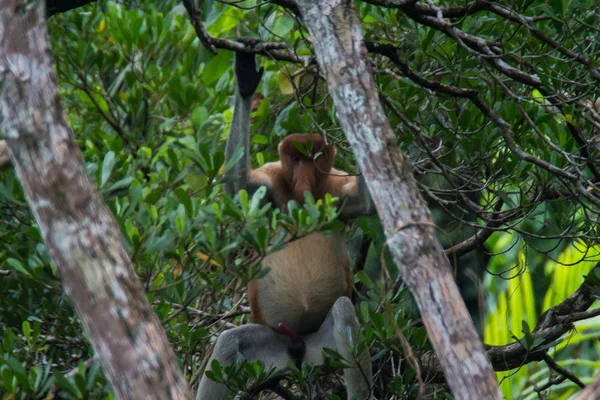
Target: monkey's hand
247,76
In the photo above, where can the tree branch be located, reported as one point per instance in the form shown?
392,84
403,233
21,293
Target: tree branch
563,371
551,325
83,239
335,32
503,127
591,391
60,6
278,51
527,22
201,32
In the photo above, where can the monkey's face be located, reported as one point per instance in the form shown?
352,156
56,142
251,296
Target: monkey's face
303,177
306,162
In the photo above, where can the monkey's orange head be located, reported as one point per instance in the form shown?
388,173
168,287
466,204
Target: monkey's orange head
306,162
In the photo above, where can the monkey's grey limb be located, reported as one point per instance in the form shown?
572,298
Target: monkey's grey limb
334,334
249,342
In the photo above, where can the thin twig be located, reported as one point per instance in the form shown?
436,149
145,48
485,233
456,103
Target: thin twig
563,371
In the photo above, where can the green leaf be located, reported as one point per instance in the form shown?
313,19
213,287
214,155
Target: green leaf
243,196
364,279
16,264
284,83
260,159
364,310
199,116
506,198
20,374
92,375
260,139
216,67
121,184
26,331
7,378
257,197
548,11
304,150
234,158
226,20
427,40
107,167
184,199
132,232
80,382
279,24
217,371
64,384
558,6
180,219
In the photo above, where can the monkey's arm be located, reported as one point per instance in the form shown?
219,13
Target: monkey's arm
353,193
248,78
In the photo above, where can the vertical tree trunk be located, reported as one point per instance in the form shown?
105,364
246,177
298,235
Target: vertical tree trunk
335,31
80,233
4,157
591,391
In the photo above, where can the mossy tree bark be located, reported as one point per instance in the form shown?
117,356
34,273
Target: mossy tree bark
80,233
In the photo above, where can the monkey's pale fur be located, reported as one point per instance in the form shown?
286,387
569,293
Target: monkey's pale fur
305,279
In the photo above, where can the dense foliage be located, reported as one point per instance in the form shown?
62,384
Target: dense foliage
495,104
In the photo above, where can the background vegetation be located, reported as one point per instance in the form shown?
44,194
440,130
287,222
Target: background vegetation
495,103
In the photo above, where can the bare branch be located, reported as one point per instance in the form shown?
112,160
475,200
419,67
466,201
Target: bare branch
504,127
563,371
278,51
527,22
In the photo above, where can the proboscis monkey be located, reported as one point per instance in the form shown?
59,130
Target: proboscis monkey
302,305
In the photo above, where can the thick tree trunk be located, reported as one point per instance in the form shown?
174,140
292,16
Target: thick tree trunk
80,233
335,31
591,391
4,157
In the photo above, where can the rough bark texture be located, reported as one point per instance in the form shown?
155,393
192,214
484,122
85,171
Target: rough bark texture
591,391
80,232
4,157
335,31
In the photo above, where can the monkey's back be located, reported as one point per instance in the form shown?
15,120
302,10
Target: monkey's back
307,276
